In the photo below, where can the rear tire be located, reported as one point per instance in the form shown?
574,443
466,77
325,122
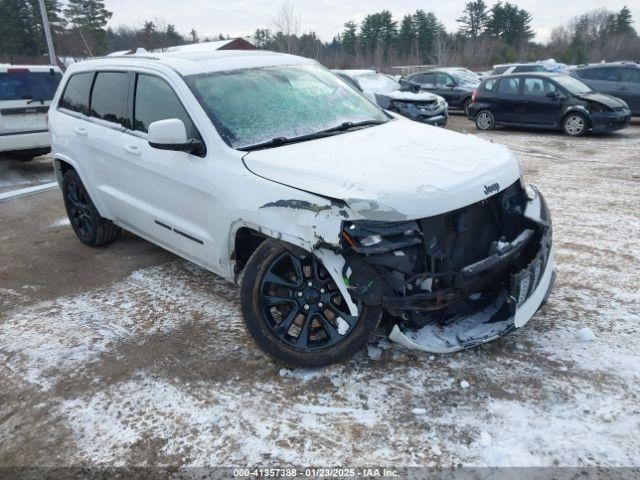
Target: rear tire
465,106
575,124
485,120
295,312
86,222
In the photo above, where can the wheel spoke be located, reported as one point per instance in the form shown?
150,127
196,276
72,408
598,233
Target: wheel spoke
273,300
284,326
278,280
303,337
329,329
297,266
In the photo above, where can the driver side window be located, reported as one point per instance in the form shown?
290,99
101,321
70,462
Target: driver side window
155,100
443,80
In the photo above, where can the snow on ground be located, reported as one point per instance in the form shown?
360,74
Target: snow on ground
156,368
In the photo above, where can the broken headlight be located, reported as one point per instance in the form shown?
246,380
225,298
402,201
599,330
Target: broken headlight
379,237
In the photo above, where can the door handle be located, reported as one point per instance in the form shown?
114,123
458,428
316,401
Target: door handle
622,89
81,131
132,150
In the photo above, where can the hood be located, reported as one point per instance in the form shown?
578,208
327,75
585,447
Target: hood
607,100
410,96
397,171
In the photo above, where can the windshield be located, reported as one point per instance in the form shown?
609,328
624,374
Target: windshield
377,83
572,85
28,85
466,76
257,105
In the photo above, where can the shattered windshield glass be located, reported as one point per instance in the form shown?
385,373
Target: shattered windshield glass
257,105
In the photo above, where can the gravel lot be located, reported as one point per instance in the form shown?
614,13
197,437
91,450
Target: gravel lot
128,355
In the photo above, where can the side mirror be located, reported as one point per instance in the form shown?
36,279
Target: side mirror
452,85
553,94
171,134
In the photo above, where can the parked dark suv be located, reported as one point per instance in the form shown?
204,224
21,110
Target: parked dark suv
619,79
546,100
455,85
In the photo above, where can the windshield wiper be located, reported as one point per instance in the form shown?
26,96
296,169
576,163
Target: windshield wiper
343,127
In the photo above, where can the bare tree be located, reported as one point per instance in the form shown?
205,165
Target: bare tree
287,24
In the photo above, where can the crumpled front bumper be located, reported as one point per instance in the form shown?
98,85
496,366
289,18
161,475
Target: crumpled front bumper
609,121
530,288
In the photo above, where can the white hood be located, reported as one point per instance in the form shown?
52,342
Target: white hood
396,171
411,96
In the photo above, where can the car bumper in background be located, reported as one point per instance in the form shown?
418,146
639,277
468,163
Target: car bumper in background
609,121
37,140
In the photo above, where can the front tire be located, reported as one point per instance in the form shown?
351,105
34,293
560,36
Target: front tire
86,222
485,120
296,313
575,124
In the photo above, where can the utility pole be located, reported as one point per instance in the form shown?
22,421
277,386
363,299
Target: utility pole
47,33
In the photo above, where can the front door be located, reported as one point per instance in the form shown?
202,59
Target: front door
166,196
542,101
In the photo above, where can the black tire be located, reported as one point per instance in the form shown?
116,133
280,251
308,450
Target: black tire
575,124
465,106
485,120
279,339
86,222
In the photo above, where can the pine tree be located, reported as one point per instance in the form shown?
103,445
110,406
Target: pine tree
90,17
350,37
474,19
406,36
623,22
194,36
21,31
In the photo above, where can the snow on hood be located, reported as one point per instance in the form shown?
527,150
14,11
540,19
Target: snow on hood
410,96
396,171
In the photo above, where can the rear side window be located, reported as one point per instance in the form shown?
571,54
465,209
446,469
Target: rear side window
500,70
508,86
109,97
631,75
156,100
607,74
489,85
25,85
76,93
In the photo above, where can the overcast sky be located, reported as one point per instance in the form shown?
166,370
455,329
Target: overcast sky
327,17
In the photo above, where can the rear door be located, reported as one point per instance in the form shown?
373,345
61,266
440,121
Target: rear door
25,96
629,89
509,103
542,103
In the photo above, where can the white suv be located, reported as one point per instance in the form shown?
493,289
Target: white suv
269,168
25,95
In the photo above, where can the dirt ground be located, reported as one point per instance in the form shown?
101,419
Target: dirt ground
128,355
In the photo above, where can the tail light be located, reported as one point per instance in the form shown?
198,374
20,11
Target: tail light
474,96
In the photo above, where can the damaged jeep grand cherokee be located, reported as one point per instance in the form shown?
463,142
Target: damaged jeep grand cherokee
331,213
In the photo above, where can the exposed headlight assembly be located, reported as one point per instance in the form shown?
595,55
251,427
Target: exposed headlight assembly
379,237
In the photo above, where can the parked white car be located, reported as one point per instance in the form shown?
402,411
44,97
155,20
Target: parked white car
25,95
270,171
